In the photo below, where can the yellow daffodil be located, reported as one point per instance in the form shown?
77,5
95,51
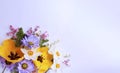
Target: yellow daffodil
43,62
10,52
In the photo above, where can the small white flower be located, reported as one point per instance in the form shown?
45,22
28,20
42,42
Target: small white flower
56,65
57,54
31,54
59,59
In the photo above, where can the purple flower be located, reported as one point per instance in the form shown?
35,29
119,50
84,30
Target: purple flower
5,63
31,41
26,66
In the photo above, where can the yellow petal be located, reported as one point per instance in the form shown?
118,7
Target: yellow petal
43,67
46,62
8,47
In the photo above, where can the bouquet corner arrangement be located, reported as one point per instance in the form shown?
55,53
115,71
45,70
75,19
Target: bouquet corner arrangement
30,52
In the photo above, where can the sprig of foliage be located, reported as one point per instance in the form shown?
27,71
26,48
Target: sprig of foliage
42,41
20,35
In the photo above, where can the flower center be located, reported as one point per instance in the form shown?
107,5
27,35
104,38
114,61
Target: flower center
30,43
13,56
40,58
30,53
24,66
57,65
57,53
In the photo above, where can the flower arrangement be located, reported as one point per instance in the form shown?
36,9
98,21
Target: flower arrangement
30,52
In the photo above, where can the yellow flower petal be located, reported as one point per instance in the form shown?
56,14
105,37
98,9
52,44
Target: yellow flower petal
8,51
46,62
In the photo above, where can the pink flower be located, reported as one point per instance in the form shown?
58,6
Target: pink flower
44,35
66,62
31,31
12,32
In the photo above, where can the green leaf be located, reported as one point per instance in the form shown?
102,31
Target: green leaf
20,35
42,41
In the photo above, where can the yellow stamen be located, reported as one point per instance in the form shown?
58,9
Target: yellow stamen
24,66
30,43
57,53
57,65
30,53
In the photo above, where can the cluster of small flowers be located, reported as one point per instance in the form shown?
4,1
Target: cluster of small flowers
28,52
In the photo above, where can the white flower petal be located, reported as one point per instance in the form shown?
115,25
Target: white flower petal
24,51
33,58
27,57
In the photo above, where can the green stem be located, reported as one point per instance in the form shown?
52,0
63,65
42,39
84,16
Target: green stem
4,69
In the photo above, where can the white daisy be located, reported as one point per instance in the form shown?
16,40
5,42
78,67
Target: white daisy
56,65
59,59
31,54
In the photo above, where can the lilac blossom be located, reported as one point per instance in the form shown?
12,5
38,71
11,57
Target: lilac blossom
35,29
44,35
31,31
12,32
66,62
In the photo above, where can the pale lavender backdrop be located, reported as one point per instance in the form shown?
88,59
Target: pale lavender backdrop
88,29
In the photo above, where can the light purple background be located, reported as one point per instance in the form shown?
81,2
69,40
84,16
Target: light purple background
88,29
